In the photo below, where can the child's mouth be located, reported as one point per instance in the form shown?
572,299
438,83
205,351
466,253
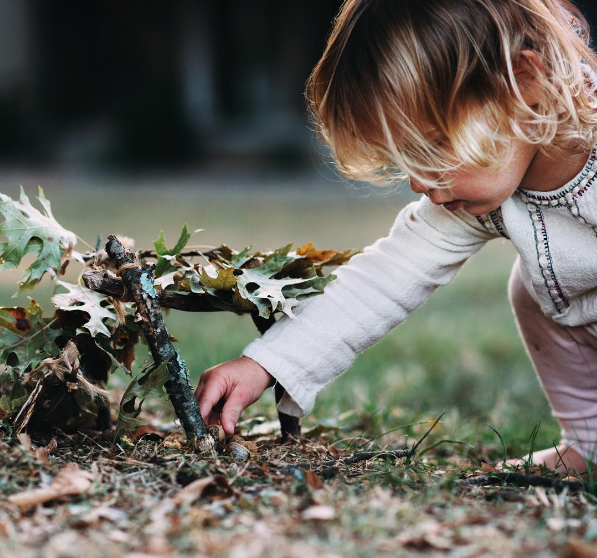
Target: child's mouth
454,205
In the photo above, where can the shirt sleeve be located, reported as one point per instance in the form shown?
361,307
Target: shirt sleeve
372,294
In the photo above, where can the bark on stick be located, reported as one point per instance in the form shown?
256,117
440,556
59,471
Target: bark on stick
103,282
139,283
289,426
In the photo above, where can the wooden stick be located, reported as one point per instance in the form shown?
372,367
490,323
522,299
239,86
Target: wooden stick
102,282
139,283
521,479
289,426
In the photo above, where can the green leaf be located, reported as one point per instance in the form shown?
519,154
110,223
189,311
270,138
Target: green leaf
225,280
13,392
26,337
163,265
31,231
82,299
149,382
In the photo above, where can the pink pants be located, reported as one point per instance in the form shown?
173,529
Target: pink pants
565,359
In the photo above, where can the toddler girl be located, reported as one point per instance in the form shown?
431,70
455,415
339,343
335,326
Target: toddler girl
489,108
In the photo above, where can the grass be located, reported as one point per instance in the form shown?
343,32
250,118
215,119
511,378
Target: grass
459,354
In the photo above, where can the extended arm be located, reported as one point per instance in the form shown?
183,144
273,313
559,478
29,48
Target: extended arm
372,294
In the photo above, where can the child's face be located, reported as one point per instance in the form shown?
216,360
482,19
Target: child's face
480,191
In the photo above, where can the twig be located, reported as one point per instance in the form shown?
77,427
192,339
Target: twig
103,282
521,479
366,455
290,427
139,283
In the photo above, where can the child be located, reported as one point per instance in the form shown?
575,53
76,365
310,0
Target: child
489,108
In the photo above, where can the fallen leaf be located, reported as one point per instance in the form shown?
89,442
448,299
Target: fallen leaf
488,468
313,480
25,441
147,432
70,481
214,487
580,549
321,513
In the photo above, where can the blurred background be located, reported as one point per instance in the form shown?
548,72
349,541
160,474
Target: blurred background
142,115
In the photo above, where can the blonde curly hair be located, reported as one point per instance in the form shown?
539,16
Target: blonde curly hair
393,70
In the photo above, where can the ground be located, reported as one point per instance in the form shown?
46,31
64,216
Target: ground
146,499
459,354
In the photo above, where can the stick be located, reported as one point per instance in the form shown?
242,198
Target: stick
139,283
102,282
520,479
290,427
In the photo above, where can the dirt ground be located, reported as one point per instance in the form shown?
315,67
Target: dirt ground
156,498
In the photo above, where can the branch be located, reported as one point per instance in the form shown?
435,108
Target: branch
290,427
105,283
139,283
521,479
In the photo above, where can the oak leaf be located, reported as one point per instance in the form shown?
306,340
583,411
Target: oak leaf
31,231
82,299
26,337
149,382
70,481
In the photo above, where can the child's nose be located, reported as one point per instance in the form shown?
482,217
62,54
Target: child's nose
416,187
437,196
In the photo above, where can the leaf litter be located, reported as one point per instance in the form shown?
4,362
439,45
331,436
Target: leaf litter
159,497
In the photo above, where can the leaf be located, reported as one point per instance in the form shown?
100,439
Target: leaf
149,382
26,337
14,394
30,231
70,481
82,299
163,264
325,257
264,288
224,281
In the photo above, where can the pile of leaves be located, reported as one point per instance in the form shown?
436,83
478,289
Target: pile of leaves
56,367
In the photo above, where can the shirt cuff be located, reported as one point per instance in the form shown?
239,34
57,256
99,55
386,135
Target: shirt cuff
297,401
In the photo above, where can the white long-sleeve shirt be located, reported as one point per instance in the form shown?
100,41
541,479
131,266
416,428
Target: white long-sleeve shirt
555,234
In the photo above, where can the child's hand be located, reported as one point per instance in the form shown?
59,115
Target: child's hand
229,388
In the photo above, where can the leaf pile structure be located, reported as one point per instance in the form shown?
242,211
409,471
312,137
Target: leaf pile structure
55,369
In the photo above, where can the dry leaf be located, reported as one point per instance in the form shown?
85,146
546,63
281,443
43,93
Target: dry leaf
313,480
322,513
147,433
488,468
580,549
25,441
70,481
215,487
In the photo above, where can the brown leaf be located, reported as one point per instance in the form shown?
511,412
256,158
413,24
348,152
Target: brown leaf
25,441
580,549
127,353
313,480
70,481
147,433
215,488
488,468
315,255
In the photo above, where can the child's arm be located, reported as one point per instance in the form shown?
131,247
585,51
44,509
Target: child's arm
372,294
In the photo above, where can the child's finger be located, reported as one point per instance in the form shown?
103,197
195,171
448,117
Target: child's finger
234,406
211,392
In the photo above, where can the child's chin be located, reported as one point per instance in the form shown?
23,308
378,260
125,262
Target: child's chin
476,211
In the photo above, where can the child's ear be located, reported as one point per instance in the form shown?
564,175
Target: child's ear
524,71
